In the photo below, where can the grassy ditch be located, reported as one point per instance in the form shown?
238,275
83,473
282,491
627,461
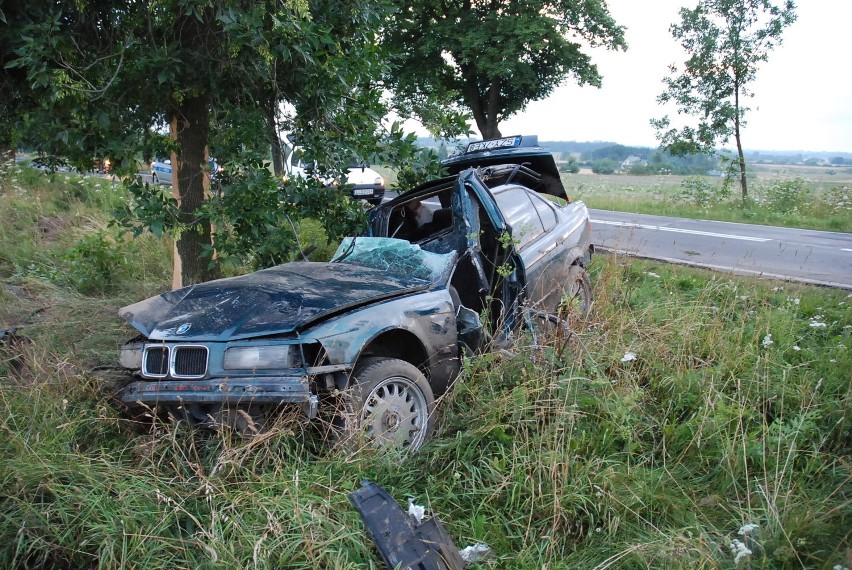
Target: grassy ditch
698,420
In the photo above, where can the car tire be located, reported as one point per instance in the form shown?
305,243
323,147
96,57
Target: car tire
389,404
579,298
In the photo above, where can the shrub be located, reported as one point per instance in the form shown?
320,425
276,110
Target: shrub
697,190
787,195
838,200
94,263
604,166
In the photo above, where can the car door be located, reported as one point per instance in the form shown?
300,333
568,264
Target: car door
534,225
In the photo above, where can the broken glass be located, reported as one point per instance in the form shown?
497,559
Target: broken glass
396,256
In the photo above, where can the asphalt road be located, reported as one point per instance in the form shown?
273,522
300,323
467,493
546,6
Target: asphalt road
823,258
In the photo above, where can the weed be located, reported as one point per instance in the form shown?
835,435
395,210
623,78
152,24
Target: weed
94,263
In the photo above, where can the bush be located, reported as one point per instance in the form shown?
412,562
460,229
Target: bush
94,263
699,191
571,167
787,195
838,200
604,166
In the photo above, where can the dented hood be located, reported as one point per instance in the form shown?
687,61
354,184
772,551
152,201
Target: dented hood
278,300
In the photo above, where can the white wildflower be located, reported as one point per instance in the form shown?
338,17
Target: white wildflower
817,325
747,528
767,341
794,300
651,274
628,357
739,550
796,347
776,289
839,567
742,297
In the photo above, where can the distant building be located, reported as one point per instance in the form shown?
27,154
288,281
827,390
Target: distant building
631,160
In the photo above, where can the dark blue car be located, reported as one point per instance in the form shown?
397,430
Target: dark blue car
367,340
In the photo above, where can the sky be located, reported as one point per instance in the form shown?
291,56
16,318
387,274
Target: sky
803,93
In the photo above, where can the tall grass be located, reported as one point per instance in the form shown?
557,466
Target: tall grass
730,423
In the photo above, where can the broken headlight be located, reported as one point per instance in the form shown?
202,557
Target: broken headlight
131,356
258,357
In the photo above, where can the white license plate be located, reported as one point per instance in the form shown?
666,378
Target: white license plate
362,192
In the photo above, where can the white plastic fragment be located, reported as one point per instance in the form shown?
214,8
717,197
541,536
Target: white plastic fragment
416,511
628,357
475,552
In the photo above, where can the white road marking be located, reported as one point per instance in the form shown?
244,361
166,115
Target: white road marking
679,230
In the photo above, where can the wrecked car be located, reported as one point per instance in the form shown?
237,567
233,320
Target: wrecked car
370,338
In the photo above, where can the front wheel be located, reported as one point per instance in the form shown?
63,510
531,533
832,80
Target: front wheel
390,404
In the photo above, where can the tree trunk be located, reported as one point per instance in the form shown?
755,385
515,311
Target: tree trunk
485,116
740,155
492,127
190,127
274,140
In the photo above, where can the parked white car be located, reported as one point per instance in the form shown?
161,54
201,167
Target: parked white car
362,182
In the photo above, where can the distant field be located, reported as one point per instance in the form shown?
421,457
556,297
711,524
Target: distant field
790,196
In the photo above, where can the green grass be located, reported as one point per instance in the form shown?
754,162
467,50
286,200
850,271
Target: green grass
735,411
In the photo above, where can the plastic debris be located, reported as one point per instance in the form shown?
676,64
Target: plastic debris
402,543
628,357
416,511
475,553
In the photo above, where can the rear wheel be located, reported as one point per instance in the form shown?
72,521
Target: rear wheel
578,299
390,405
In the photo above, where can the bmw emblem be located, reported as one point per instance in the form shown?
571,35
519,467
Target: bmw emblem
184,328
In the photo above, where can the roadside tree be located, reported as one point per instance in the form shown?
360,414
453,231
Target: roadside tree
726,41
105,78
492,58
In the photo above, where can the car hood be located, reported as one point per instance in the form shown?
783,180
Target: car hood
278,300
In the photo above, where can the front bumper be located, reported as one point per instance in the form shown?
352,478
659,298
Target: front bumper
367,192
231,392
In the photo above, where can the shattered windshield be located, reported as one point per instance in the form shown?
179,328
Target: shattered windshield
396,256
